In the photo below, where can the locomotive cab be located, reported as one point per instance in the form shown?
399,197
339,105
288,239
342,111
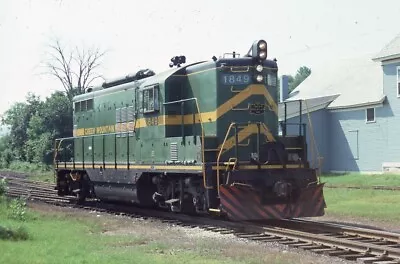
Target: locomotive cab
257,173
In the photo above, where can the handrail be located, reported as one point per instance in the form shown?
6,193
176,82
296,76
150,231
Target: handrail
234,160
96,135
269,136
312,137
180,101
202,147
221,150
55,152
56,149
82,138
244,70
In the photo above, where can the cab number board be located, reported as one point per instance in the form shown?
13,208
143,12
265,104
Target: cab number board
235,79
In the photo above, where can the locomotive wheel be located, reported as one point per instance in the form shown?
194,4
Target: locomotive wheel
84,191
81,197
187,205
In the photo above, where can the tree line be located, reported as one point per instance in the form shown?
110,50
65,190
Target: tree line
302,73
36,123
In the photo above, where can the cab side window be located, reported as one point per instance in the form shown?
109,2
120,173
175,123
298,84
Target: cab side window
150,99
84,106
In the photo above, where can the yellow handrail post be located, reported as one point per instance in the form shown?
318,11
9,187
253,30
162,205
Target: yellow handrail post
203,169
56,148
220,152
317,158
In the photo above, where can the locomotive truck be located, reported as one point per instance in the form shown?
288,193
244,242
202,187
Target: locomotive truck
200,138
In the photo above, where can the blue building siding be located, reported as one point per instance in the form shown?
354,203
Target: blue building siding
392,111
366,146
320,121
356,145
346,142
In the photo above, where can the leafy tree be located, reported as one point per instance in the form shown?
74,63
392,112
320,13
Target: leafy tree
53,121
39,149
6,154
57,115
18,117
302,73
34,126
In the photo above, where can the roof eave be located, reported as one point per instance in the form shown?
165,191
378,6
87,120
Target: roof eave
386,58
358,105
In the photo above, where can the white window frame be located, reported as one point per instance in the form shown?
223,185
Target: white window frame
398,81
366,115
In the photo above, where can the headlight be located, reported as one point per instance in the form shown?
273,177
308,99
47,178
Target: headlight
259,78
259,68
262,45
262,55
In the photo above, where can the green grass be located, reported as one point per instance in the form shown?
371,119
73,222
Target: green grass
67,238
14,234
46,176
362,179
371,204
19,166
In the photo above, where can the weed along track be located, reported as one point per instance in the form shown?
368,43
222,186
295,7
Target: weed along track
347,242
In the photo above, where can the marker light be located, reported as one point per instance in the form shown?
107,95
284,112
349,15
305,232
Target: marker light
259,78
262,45
259,50
259,68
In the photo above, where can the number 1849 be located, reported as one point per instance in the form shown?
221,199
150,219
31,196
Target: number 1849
235,79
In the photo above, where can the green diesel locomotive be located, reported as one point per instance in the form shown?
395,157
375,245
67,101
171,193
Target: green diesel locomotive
200,138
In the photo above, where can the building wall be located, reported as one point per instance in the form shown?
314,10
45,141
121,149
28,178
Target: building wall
356,145
346,142
392,111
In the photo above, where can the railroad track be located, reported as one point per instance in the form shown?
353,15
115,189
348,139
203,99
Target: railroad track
373,187
343,241
33,190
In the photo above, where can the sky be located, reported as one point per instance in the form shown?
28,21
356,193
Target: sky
146,34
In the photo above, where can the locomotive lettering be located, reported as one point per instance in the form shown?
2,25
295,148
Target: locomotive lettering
151,121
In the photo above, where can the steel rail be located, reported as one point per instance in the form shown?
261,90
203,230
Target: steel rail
347,230
348,246
372,187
